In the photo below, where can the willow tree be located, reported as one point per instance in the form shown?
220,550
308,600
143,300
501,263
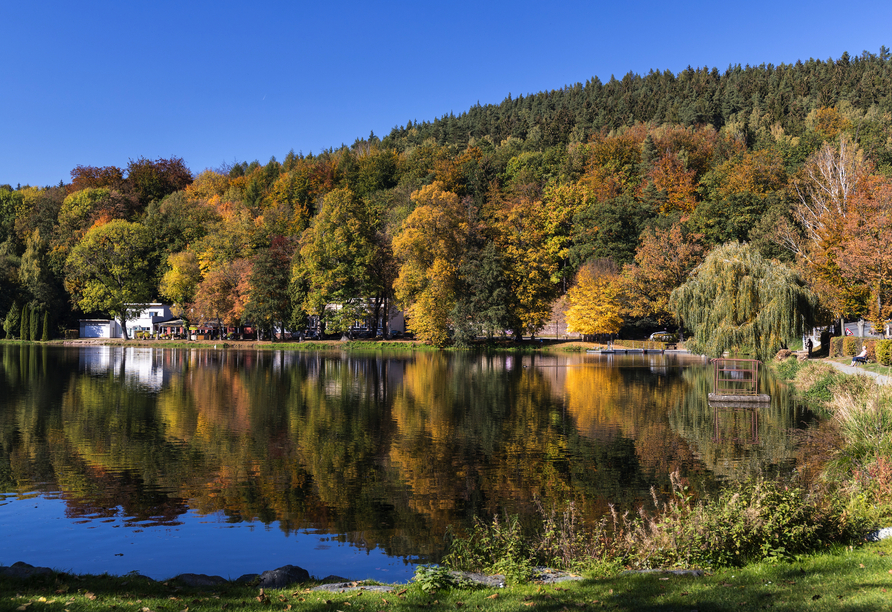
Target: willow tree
738,301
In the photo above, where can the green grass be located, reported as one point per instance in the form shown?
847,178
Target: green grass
842,579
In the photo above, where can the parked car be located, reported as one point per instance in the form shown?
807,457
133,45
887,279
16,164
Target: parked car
663,336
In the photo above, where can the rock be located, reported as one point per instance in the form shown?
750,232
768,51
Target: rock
200,580
882,534
337,587
247,578
332,578
545,575
496,581
679,572
23,571
283,577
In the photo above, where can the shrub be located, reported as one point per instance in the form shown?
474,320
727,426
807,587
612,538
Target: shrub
883,352
433,578
788,368
497,548
836,347
850,345
747,522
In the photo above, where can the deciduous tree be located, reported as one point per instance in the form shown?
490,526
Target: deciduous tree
662,263
738,301
596,301
109,271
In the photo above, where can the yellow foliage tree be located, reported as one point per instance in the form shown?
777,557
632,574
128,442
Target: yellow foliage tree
596,300
429,247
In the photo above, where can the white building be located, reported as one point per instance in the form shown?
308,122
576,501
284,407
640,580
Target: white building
146,321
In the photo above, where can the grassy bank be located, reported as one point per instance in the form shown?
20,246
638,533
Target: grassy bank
842,579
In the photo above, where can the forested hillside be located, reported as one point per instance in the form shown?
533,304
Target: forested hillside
592,202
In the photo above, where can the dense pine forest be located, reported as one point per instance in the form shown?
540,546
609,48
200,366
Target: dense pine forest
586,205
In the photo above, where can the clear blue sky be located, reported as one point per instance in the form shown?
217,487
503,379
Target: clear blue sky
99,83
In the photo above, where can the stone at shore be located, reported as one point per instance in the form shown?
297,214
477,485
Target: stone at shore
675,572
22,571
200,580
283,577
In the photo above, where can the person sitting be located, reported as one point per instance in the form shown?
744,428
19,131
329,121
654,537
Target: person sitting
860,357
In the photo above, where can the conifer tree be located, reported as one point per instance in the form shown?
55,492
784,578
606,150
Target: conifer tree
26,322
46,326
35,325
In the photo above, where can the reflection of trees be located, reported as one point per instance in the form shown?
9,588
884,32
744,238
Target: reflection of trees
387,452
721,436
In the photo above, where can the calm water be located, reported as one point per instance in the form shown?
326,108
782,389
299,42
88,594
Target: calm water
232,462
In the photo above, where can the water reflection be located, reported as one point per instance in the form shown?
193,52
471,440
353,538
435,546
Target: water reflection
382,452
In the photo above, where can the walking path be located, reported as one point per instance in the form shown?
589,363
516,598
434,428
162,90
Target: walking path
882,379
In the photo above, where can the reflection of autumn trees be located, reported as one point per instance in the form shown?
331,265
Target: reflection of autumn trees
734,453
388,452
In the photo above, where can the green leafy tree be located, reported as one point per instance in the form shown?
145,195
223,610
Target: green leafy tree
338,259
739,301
269,299
109,271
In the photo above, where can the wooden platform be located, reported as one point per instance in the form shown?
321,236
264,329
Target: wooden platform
722,398
625,351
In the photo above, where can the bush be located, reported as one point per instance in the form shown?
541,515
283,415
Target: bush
883,352
850,345
836,347
498,548
788,368
747,522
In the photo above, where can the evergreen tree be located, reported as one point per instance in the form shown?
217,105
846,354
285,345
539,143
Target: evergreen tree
35,325
26,322
12,321
46,326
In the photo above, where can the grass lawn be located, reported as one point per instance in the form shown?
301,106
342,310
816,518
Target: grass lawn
845,579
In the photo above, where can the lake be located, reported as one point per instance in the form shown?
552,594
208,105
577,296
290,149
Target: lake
164,461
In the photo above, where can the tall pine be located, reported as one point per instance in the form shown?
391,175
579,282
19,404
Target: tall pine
46,326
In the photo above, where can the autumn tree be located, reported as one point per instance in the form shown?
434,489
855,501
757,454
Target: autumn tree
429,248
662,263
223,293
828,186
337,258
95,177
738,301
865,253
180,282
152,180
596,300
109,271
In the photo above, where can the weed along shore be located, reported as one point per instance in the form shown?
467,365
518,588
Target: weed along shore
840,578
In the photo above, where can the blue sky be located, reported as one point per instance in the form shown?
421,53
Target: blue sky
99,83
